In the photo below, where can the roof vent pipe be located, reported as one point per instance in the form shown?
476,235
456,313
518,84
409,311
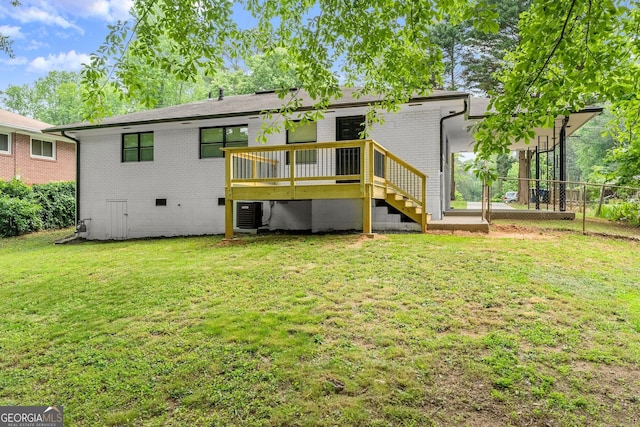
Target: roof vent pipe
220,94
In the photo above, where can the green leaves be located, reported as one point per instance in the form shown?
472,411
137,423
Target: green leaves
570,51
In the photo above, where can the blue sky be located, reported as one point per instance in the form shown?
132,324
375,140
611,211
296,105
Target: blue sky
54,35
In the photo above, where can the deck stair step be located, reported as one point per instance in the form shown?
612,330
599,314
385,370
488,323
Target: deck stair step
404,205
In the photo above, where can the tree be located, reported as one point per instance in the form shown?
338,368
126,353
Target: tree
589,148
569,51
383,47
484,51
452,40
626,133
54,98
57,99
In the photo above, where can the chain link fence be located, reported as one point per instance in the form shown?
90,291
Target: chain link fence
577,206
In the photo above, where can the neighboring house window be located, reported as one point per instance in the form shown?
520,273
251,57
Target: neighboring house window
5,147
304,133
41,148
212,140
137,147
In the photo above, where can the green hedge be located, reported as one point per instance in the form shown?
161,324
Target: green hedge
25,209
58,201
18,216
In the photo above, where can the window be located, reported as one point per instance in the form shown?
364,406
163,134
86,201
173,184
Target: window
137,147
304,133
212,140
5,147
41,148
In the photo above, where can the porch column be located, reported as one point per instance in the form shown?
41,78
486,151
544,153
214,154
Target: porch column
538,176
563,165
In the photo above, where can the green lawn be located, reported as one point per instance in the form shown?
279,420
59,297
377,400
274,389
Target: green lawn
338,330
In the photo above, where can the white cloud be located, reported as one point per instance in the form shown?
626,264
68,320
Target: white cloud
108,10
35,45
66,61
43,15
11,31
18,60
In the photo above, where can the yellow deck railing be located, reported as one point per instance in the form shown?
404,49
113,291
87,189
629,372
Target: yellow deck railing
323,170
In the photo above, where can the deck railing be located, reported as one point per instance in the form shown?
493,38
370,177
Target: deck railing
363,162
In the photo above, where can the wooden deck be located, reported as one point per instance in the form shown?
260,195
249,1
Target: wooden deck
358,169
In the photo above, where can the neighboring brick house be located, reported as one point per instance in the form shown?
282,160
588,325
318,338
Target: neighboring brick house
32,156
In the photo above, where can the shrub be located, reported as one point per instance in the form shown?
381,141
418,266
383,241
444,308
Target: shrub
58,203
625,211
24,209
18,216
15,188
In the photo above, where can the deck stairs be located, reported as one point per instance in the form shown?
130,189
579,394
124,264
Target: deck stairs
403,204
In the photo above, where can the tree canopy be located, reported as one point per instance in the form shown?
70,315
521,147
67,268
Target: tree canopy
570,52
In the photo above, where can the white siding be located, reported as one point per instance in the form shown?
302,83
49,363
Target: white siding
192,186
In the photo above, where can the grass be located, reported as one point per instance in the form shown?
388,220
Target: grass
407,330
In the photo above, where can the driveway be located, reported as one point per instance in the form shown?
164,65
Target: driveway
494,205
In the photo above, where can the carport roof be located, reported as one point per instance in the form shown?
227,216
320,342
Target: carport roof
460,134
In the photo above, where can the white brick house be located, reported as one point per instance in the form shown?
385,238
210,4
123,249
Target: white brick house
161,172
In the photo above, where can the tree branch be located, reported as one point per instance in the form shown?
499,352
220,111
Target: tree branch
553,51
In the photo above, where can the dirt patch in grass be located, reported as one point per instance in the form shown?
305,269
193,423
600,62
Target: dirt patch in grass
232,242
514,231
469,398
613,386
366,238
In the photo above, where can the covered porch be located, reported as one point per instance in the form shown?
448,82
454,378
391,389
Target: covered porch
357,169
542,184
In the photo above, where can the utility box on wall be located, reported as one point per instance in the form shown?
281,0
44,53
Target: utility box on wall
249,215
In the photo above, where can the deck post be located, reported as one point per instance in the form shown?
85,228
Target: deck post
228,218
423,225
366,210
228,199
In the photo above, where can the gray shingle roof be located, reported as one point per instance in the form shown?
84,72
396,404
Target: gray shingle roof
237,105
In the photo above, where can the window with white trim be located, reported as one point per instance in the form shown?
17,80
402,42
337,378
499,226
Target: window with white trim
5,143
40,148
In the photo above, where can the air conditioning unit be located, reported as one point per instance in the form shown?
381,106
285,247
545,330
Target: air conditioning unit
249,215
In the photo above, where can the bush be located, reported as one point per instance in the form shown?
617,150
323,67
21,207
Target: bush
15,188
625,211
58,203
18,216
25,209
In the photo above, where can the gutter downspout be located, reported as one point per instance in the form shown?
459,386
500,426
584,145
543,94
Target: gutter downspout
442,119
77,141
14,151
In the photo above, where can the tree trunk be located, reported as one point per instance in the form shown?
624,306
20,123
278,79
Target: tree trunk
524,162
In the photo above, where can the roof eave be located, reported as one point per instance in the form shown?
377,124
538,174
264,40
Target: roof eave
241,114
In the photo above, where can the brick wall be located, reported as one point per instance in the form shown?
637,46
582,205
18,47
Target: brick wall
33,170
